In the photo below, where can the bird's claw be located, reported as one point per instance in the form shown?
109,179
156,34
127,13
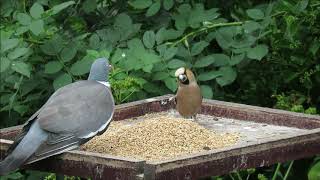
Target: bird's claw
172,99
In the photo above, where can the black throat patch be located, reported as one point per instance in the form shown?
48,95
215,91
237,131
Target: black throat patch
186,82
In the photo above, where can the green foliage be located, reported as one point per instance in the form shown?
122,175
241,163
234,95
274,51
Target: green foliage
294,102
261,53
314,172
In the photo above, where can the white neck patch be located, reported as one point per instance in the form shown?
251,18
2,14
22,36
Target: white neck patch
105,83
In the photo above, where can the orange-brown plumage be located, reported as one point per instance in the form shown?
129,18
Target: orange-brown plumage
188,97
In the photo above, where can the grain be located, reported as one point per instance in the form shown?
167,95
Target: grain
157,137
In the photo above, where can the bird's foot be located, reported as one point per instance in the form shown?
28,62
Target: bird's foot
173,98
194,117
215,118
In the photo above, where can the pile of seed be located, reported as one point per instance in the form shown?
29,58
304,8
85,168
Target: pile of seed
157,137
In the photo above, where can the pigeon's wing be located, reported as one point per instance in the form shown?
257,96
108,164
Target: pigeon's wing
82,109
72,116
29,122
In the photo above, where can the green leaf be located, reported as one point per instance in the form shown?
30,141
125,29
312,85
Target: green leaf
206,91
36,10
147,68
198,47
301,6
181,19
136,45
7,44
163,34
228,75
314,172
23,18
153,9
57,8
269,9
123,21
21,109
140,4
236,59
104,54
176,63
21,68
13,176
171,83
224,39
204,61
149,58
149,39
52,67
62,80
83,66
220,60
68,54
206,76
53,46
255,14
180,22
258,52
315,46
22,29
198,15
167,4
4,64
36,27
89,6
18,52
160,75
169,53
250,26
94,41
118,55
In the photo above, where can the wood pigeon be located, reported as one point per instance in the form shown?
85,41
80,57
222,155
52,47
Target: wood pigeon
188,98
73,115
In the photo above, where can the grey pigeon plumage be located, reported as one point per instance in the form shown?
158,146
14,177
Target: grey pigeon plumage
72,115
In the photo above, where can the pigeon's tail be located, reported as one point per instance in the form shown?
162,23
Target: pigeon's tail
28,146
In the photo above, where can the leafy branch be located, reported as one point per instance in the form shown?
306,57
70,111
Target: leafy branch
204,29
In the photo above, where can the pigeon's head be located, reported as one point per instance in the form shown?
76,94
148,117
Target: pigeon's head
99,70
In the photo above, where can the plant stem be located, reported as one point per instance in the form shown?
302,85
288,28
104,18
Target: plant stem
288,170
239,177
315,5
33,41
127,97
248,177
231,176
276,172
206,29
278,13
15,94
65,67
24,5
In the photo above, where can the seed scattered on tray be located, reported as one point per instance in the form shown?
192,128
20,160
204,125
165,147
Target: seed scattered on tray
157,137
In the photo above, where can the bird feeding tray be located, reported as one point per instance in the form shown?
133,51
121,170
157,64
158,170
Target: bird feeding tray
266,136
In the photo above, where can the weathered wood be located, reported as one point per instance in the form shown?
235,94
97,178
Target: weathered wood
222,161
214,162
86,164
260,114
